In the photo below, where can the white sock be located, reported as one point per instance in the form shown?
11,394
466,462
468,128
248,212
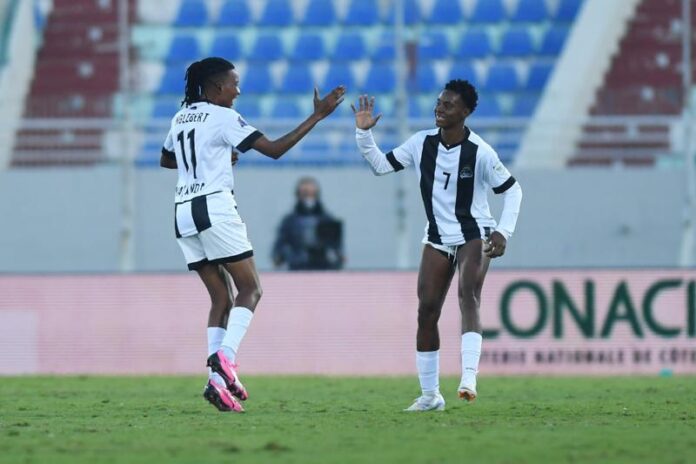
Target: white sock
237,325
428,364
215,336
471,352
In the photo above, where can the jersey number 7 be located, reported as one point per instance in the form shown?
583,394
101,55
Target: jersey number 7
191,136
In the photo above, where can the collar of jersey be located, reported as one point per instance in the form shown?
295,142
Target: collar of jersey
449,147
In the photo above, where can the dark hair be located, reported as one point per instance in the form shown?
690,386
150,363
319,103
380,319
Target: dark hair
198,75
466,91
307,180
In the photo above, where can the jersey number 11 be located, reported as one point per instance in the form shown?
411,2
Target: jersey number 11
191,136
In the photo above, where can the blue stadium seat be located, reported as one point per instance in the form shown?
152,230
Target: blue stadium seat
553,40
474,43
297,79
338,74
502,77
517,41
412,13
166,107
172,82
309,46
488,11
487,106
227,46
277,13
384,48
538,75
184,48
284,107
192,13
464,70
268,47
381,78
247,107
530,11
257,79
350,46
361,13
319,13
425,79
415,110
446,12
524,105
433,46
234,13
567,10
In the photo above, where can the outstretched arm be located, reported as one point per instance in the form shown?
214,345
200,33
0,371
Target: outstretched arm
322,108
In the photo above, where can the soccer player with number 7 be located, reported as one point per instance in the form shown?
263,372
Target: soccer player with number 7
208,227
455,169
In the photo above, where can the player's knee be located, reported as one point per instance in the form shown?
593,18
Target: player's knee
428,315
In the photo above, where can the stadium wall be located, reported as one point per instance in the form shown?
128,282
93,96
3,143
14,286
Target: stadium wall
354,323
69,219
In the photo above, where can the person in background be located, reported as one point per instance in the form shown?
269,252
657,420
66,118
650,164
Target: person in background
309,238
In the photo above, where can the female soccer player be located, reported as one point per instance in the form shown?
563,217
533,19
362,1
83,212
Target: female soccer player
455,169
208,227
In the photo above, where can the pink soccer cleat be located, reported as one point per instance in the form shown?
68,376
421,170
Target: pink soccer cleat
219,363
219,396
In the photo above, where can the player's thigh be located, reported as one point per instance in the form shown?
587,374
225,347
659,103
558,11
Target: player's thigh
244,275
434,277
473,266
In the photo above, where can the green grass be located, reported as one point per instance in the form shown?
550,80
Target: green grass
326,420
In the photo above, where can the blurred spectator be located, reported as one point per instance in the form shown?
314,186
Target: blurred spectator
309,238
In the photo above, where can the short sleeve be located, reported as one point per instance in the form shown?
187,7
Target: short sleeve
403,155
239,133
496,174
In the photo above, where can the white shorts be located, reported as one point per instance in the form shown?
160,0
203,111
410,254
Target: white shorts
224,242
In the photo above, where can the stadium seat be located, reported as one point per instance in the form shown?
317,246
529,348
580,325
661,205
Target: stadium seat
172,82
268,47
502,77
361,13
257,79
567,10
338,74
488,11
247,107
227,46
381,78
446,12
538,75
184,48
412,13
350,46
319,13
425,79
530,11
524,105
464,70
285,108
234,13
309,46
192,13
415,109
165,108
488,107
297,79
553,40
277,13
384,49
432,46
516,42
473,43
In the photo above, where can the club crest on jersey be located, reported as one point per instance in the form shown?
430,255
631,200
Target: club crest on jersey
466,172
242,122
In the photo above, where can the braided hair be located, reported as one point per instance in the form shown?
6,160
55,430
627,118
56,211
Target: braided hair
198,75
466,91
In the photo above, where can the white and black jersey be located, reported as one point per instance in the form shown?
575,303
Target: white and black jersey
201,139
454,181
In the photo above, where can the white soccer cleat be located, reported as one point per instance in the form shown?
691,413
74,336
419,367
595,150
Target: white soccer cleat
427,403
467,389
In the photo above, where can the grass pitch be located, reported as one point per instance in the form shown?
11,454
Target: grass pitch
327,420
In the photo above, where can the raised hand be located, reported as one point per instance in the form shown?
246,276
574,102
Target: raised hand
363,115
325,106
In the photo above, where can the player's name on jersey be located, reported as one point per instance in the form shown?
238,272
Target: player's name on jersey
191,117
190,189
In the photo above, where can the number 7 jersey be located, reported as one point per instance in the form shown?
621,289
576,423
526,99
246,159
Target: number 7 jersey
201,138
